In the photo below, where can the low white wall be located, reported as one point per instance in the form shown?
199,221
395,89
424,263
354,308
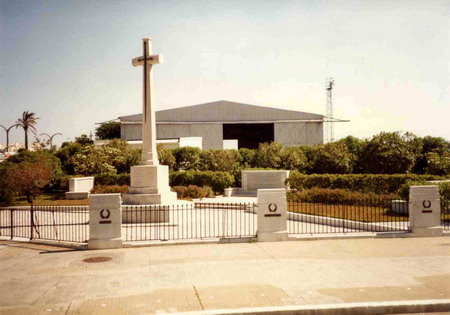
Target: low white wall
81,184
253,180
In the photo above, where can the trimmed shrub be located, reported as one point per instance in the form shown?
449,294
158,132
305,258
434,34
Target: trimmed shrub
269,155
337,196
112,179
444,189
165,156
192,192
110,189
368,183
187,158
218,181
247,159
294,158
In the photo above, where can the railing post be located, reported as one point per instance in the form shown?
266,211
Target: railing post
11,221
31,222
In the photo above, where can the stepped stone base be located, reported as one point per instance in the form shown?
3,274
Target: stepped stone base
149,186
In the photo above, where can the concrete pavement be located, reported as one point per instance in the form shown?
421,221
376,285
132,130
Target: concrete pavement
38,279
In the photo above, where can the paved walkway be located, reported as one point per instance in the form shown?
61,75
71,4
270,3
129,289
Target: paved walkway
38,279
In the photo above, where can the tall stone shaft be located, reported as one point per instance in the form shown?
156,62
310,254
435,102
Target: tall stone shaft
149,153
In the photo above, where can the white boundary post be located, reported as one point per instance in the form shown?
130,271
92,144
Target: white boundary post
425,211
272,215
105,221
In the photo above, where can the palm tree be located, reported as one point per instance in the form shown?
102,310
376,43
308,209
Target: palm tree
28,121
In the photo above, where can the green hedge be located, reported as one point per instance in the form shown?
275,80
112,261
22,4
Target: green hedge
192,192
367,183
110,189
218,181
339,196
112,179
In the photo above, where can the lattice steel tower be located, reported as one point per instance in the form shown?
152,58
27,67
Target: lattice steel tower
329,134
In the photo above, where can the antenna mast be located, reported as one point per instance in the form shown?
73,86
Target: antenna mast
329,135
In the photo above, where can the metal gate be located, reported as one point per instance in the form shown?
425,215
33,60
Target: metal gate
189,221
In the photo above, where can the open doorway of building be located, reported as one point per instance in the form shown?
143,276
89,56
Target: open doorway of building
249,135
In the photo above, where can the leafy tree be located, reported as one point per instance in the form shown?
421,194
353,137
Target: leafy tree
67,150
247,159
107,131
165,156
390,153
6,192
355,147
428,145
187,158
438,163
115,157
84,140
294,158
128,156
28,121
41,156
92,160
269,155
332,158
29,178
220,160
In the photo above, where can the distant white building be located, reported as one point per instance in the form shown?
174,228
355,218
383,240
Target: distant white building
248,125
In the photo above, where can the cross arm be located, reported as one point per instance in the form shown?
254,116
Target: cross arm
152,60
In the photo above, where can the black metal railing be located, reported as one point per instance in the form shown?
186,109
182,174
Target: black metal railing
56,223
445,214
365,215
188,221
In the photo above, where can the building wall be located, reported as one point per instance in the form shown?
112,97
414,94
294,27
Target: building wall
131,131
298,133
287,133
212,134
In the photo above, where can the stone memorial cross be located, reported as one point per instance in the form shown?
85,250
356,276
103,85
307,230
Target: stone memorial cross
147,60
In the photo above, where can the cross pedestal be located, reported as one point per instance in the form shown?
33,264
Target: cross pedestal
149,181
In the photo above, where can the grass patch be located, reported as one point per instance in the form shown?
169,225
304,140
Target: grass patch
348,212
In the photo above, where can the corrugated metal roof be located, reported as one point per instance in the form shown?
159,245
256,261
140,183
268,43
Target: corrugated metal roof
225,111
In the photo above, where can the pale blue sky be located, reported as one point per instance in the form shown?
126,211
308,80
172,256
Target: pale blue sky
70,61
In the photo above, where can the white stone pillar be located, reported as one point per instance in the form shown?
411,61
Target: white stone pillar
105,221
425,211
272,215
149,153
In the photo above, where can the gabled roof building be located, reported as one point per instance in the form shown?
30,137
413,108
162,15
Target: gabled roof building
224,120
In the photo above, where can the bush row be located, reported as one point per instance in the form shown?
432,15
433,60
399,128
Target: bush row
192,192
110,189
339,196
218,181
444,189
112,179
367,183
385,153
